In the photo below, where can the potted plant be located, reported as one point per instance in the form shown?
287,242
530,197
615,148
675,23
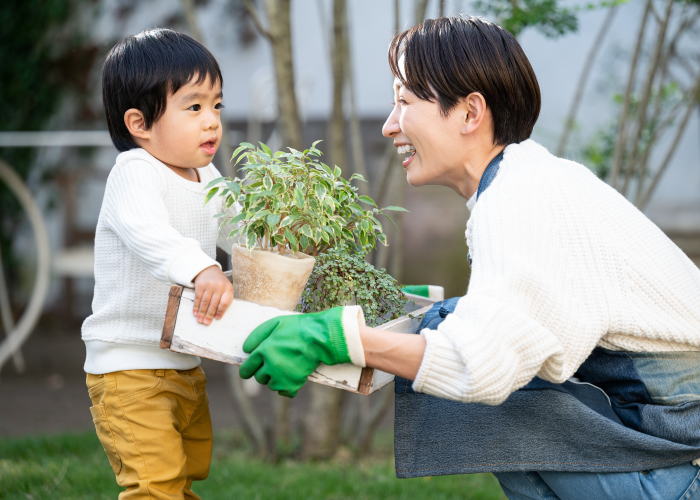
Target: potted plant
342,277
291,208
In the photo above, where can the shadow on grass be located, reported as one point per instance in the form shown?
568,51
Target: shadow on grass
75,466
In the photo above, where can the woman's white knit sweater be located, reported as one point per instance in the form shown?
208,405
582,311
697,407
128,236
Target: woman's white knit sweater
153,230
562,263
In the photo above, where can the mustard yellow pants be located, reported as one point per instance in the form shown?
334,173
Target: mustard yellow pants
155,428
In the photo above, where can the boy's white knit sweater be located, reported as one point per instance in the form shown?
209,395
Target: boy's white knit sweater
562,263
153,230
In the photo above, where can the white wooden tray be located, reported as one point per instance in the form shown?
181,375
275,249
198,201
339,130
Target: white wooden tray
223,339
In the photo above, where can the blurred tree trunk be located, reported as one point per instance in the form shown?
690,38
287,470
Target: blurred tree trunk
278,12
252,426
337,125
421,9
279,34
225,151
323,421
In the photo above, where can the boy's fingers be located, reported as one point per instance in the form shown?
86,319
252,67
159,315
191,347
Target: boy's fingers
203,305
213,306
225,301
197,299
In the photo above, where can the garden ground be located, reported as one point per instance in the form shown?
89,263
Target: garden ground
74,466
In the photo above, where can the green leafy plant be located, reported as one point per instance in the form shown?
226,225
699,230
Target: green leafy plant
292,199
341,276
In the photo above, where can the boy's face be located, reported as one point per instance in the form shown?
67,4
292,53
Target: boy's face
189,132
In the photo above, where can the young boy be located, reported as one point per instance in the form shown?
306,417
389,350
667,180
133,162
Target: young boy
162,97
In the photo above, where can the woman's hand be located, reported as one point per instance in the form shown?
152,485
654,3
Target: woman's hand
285,350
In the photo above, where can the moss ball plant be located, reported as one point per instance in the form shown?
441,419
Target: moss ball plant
342,276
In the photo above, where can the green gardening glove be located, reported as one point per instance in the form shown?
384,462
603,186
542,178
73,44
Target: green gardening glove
429,291
285,350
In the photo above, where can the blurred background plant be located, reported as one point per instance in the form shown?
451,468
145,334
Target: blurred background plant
44,61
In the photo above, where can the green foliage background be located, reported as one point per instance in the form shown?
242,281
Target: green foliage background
33,70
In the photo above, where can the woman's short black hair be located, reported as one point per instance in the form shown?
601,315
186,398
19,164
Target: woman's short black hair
447,59
141,72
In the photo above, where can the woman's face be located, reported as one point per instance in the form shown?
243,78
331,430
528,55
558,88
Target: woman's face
426,138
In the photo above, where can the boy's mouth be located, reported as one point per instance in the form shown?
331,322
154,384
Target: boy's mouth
209,147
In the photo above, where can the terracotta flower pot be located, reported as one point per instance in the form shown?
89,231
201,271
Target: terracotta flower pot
270,279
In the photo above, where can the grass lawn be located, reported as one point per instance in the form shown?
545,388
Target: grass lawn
75,467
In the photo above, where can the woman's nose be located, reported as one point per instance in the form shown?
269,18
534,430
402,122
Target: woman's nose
391,126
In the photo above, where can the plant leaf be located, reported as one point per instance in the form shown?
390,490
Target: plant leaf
210,195
293,243
306,231
396,209
251,240
267,182
367,199
213,183
298,198
238,218
265,148
237,152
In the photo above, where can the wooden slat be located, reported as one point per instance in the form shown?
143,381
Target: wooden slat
350,378
365,386
166,336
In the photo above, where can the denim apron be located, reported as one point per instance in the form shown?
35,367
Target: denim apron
622,412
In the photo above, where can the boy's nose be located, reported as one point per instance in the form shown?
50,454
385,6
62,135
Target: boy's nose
212,122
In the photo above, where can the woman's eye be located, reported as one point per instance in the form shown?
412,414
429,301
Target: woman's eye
195,107
219,106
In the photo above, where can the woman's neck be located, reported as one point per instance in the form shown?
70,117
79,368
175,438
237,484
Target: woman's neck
474,165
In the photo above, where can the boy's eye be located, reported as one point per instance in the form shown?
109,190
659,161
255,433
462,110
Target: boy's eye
219,106
195,107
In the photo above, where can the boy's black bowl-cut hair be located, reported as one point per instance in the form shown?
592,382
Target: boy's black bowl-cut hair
142,70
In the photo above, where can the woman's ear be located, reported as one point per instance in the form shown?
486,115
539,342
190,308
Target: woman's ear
475,106
136,124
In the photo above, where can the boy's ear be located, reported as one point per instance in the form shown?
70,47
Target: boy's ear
136,124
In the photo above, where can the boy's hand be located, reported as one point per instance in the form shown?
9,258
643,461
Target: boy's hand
213,293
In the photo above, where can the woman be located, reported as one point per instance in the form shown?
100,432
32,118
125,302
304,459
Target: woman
581,325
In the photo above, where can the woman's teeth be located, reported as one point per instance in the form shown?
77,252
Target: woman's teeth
408,148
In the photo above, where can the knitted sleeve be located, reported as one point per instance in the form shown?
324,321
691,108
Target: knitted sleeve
134,209
535,306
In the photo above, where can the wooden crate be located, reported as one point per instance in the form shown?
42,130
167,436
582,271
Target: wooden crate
223,339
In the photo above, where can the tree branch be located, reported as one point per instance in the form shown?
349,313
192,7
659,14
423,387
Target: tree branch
622,122
256,19
641,117
571,116
692,102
